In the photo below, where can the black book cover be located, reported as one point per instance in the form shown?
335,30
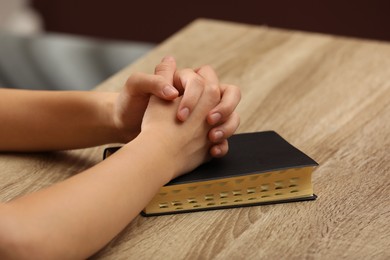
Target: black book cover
249,153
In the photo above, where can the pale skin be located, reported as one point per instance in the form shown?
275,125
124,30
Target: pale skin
75,218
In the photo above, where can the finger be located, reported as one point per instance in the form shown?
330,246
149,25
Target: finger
141,85
208,73
194,87
231,96
166,68
225,130
181,77
219,150
193,84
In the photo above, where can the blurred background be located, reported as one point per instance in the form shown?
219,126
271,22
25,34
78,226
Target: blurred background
75,44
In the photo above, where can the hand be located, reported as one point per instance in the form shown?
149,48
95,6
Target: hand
222,116
131,103
186,143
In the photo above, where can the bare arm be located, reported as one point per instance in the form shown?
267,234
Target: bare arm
53,120
75,218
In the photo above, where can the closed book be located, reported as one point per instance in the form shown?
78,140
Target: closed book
260,168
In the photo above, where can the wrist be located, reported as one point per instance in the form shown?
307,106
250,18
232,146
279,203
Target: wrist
106,106
150,147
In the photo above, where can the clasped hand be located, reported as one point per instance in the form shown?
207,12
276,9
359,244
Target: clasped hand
187,88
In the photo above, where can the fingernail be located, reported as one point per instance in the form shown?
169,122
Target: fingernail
168,58
218,134
215,118
184,112
170,91
217,151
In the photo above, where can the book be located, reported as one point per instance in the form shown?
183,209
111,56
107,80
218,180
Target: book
260,168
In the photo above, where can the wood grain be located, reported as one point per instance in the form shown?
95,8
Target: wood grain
329,96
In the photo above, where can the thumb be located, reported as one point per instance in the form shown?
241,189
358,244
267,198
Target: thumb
166,68
142,85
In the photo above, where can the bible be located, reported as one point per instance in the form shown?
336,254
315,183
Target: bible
260,168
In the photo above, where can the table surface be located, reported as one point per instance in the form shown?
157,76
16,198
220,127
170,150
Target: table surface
329,96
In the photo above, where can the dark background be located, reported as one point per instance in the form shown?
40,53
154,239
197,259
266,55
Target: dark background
154,21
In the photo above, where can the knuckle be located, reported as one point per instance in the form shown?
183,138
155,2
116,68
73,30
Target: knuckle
196,80
231,124
213,90
133,79
206,67
162,67
189,102
237,119
158,79
237,92
224,110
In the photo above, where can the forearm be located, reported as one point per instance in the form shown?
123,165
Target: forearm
54,120
75,218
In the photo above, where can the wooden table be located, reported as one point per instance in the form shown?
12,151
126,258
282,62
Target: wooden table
329,96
